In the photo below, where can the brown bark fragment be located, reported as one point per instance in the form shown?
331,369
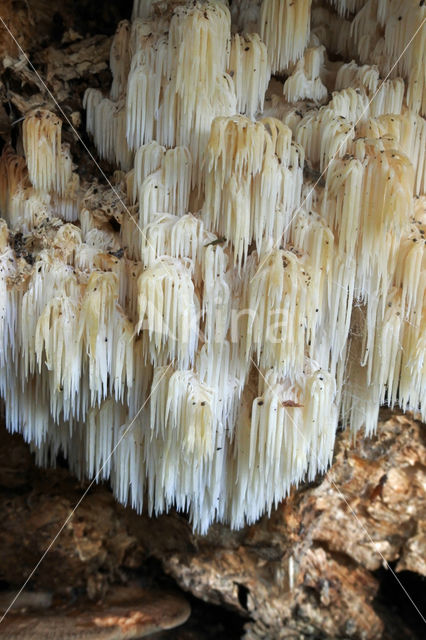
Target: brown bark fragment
123,615
305,571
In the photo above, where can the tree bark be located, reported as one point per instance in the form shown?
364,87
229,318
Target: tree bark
311,569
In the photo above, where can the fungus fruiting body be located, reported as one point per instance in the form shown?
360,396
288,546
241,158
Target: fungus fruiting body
253,273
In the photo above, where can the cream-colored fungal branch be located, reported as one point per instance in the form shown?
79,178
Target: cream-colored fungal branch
50,166
42,145
120,59
253,179
305,81
256,275
345,7
250,70
378,34
284,26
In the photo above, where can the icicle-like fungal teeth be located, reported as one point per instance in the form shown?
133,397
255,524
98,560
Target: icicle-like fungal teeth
119,59
284,437
158,399
410,274
148,159
250,70
408,131
346,7
29,209
123,156
147,36
401,26
328,298
217,368
99,438
108,120
123,357
370,201
279,314
59,349
66,205
13,177
222,103
165,98
311,236
107,338
103,135
324,135
384,369
247,165
291,159
142,9
350,104
176,171
380,32
234,158
7,310
284,27
201,35
216,295
199,470
64,170
162,181
385,97
190,411
389,187
129,470
202,89
412,383
359,400
319,410
168,311
109,133
177,237
142,103
91,100
342,203
42,145
389,97
304,81
4,236
365,33
98,306
352,75
152,198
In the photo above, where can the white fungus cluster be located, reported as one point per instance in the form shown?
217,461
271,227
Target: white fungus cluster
255,274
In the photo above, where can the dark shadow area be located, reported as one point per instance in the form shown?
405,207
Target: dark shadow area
396,597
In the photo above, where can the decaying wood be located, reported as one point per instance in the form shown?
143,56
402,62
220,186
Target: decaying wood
125,614
307,571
